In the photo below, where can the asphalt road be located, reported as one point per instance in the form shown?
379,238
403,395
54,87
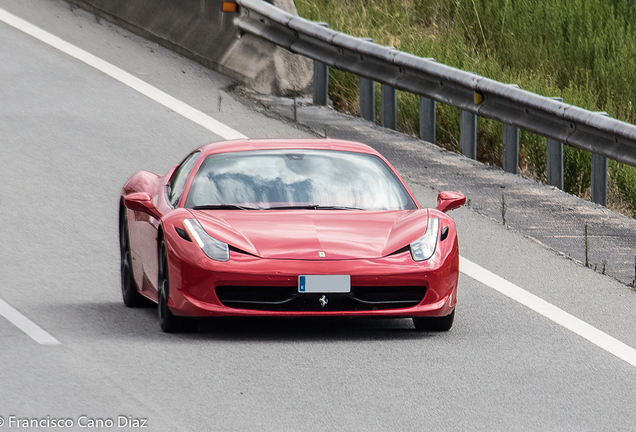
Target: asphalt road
70,136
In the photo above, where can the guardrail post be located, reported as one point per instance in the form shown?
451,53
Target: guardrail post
428,115
510,149
468,135
599,176
367,99
555,159
510,140
389,107
321,79
367,96
428,118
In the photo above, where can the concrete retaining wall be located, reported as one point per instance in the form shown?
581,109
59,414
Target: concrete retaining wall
200,30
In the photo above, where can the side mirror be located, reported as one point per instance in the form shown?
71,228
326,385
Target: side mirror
449,201
142,202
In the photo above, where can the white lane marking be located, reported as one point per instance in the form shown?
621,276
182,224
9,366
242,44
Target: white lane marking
131,81
548,310
559,316
216,127
26,325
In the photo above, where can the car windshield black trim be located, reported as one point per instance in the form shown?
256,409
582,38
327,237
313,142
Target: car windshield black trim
292,207
225,207
312,207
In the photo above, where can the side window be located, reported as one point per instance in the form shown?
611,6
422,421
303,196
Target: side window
180,177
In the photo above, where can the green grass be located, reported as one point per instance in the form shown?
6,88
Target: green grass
581,50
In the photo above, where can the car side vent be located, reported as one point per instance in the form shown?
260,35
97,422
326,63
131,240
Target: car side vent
183,234
399,251
241,251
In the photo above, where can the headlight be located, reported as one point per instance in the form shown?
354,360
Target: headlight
213,248
424,247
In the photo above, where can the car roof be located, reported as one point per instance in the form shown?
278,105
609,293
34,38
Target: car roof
273,144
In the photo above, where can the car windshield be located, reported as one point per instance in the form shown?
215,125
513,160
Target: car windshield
297,179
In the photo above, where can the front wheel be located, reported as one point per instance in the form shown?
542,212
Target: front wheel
129,292
434,324
167,321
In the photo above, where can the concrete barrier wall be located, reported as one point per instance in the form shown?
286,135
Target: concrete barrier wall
200,30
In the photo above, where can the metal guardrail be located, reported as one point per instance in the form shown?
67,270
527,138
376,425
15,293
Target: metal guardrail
473,94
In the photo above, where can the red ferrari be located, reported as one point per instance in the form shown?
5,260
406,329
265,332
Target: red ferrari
286,228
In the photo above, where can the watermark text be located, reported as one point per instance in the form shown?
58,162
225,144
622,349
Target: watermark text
79,422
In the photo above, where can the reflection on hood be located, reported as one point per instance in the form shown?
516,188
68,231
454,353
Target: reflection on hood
301,234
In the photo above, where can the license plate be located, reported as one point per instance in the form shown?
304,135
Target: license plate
324,284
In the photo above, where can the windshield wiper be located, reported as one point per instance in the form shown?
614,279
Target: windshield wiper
312,207
224,207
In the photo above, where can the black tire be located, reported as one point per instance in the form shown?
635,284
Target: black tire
167,321
129,291
434,324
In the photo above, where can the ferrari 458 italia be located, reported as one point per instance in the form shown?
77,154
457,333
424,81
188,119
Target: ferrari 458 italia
286,228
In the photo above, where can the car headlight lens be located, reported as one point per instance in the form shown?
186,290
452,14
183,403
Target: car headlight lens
424,247
213,248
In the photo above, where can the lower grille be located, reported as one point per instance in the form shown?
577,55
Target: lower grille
289,299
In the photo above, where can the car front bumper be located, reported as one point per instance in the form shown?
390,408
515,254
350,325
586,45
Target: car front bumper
251,286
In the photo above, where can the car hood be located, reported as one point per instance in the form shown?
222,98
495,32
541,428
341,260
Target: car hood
304,234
